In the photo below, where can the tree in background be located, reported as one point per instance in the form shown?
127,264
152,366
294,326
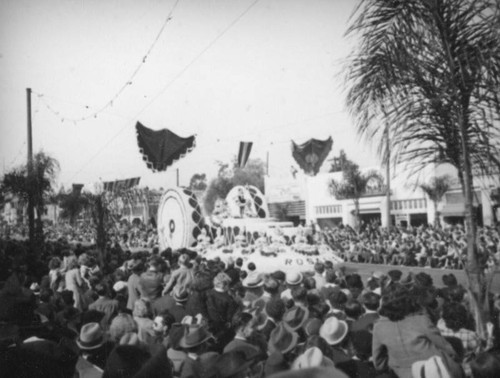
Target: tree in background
198,182
435,190
40,184
72,204
353,186
425,74
219,187
339,162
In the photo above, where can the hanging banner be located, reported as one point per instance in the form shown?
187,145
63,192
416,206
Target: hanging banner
160,149
120,185
311,154
244,153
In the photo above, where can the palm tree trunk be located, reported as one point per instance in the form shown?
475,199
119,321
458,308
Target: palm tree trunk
437,222
474,272
357,221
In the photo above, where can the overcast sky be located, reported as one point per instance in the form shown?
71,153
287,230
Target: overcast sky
265,71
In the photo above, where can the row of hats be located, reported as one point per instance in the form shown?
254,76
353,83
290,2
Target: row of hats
254,279
284,337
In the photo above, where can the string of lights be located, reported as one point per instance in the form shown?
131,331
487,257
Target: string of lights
127,83
191,63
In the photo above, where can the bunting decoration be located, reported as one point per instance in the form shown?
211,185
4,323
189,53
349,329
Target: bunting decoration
311,154
120,185
161,148
244,153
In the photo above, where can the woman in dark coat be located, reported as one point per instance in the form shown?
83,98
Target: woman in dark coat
405,334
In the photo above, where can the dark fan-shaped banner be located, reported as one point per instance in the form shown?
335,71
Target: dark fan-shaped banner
311,154
161,148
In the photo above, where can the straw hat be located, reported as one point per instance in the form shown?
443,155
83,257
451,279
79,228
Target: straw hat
312,357
294,278
253,280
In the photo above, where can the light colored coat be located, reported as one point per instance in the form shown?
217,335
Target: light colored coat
399,344
74,282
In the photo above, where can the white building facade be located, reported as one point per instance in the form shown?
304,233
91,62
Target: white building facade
409,205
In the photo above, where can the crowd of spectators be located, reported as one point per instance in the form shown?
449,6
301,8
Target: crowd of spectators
128,235
423,246
78,313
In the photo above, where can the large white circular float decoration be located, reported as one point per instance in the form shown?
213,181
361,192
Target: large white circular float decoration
179,219
180,222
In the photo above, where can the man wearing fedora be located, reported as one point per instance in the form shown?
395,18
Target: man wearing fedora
334,332
133,283
94,348
293,279
151,281
178,310
274,311
253,289
281,349
194,342
221,307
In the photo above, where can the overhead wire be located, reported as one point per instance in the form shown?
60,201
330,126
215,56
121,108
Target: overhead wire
172,81
127,83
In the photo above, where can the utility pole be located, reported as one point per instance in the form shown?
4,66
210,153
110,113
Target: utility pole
31,205
177,175
388,175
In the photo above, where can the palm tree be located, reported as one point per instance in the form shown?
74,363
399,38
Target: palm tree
435,190
429,72
353,186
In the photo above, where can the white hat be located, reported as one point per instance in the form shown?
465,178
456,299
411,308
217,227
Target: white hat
312,357
294,278
119,286
333,330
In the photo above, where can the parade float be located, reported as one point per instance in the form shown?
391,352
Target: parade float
239,226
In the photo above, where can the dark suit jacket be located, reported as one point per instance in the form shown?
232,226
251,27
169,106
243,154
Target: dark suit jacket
267,328
357,368
365,322
163,303
151,285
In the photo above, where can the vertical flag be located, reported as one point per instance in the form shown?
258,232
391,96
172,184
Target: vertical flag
244,153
